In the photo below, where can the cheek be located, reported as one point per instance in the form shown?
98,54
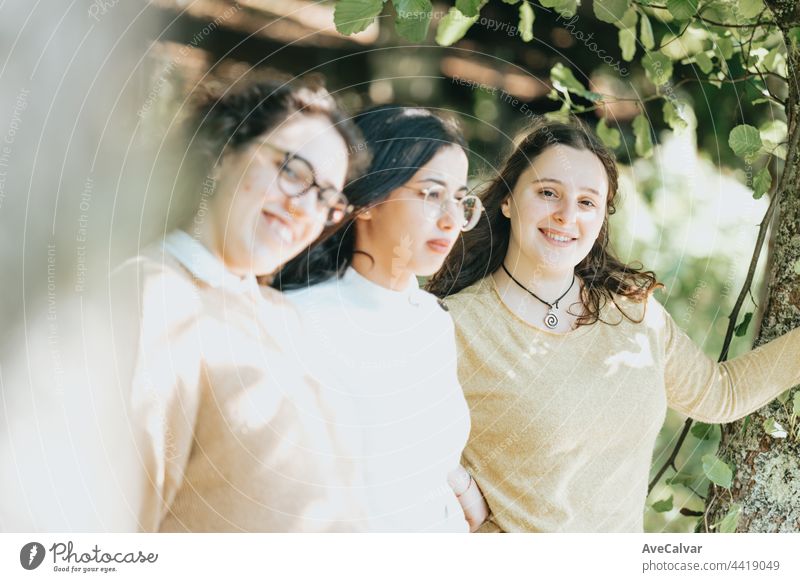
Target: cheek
401,220
592,224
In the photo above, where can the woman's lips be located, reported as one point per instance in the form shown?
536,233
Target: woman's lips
439,245
279,226
558,239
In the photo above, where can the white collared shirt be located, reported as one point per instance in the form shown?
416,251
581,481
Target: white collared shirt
203,264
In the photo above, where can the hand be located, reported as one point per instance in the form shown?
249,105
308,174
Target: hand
469,495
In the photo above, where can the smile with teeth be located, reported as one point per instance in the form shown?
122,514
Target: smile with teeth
560,238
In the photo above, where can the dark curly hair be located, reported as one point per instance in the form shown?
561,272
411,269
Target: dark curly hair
481,251
401,140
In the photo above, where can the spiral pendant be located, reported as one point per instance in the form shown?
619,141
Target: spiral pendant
551,319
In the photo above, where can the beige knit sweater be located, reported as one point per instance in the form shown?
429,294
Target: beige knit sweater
231,431
564,425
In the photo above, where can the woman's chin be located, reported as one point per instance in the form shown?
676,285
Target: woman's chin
429,268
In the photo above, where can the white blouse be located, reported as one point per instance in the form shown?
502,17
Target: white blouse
392,356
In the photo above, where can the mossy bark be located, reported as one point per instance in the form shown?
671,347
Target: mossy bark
767,470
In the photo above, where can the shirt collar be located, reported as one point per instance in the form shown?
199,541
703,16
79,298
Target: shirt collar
204,265
382,294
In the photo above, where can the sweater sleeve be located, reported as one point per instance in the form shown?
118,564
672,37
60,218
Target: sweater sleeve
723,392
159,372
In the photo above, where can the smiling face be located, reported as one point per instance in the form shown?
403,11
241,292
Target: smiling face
557,208
251,224
406,235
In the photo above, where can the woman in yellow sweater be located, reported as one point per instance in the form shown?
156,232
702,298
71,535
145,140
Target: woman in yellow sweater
567,361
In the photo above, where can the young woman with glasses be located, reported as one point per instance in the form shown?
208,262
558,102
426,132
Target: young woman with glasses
389,345
230,435
567,361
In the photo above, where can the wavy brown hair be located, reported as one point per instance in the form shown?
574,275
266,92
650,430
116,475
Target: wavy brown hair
481,251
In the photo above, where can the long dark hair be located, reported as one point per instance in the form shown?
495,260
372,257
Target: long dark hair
481,251
227,119
401,140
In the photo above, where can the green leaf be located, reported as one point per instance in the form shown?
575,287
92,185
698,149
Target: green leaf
797,267
725,46
610,11
413,18
729,523
644,141
773,136
646,33
717,471
682,9
681,479
741,329
526,17
566,8
796,399
470,7
663,505
794,36
628,19
748,8
453,27
352,16
674,116
744,140
627,42
761,183
564,81
774,429
658,68
704,62
702,431
608,135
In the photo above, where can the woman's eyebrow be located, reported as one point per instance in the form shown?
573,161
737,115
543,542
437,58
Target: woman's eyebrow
434,180
557,181
442,183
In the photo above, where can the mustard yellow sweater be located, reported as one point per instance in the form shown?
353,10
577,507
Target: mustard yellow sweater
564,425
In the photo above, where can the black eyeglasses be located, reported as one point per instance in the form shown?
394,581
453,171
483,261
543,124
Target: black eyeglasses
296,178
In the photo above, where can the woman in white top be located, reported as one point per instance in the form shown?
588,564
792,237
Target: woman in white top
387,344
230,434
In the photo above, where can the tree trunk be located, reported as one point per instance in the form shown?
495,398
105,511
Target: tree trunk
767,470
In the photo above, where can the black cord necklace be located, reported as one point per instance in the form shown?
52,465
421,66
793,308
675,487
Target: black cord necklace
551,319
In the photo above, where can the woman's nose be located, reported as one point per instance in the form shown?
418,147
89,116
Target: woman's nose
565,212
447,215
302,205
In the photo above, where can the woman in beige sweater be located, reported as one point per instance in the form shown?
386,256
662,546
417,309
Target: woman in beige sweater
567,361
231,432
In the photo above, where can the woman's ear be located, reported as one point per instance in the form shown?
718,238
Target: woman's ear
505,207
365,214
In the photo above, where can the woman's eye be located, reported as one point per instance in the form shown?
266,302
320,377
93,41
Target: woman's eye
434,194
588,203
290,173
548,193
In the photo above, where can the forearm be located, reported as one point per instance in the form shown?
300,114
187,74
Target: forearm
751,381
469,495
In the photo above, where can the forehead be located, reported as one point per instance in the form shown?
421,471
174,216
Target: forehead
449,165
313,138
576,168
